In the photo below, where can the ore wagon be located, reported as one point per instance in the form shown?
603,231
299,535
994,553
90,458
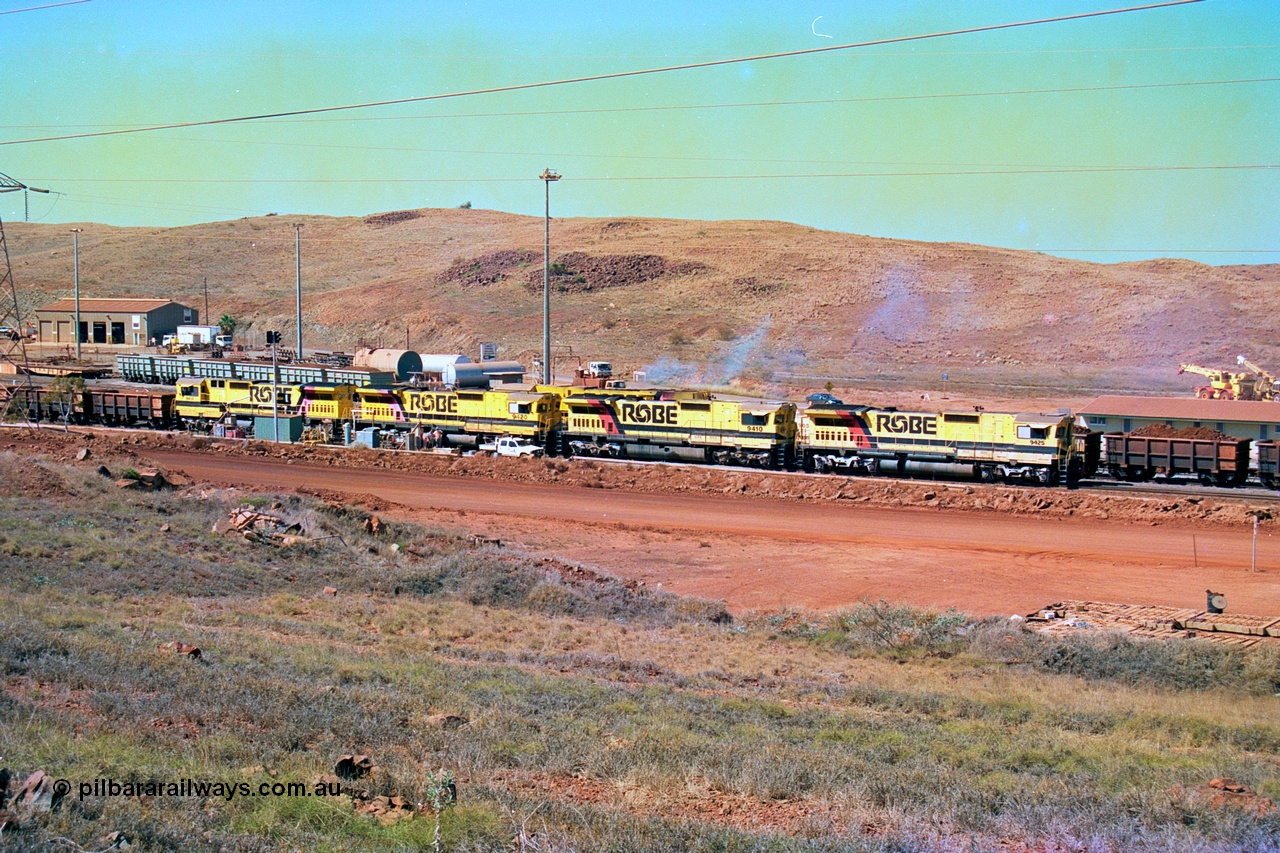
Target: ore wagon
1222,461
1269,463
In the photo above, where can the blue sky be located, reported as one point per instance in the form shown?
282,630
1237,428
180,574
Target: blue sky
1143,134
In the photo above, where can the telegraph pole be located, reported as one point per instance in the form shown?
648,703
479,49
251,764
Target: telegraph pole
547,177
297,258
75,236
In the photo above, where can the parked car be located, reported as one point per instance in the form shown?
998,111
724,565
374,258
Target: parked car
822,398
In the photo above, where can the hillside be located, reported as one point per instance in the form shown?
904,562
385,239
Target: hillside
768,305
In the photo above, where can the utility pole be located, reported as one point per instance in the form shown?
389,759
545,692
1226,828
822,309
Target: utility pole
297,258
75,236
1254,565
547,177
273,341
208,321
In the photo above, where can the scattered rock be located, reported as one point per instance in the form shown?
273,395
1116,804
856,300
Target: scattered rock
38,793
388,810
352,767
1226,792
446,721
374,525
82,454
114,841
331,591
184,649
254,526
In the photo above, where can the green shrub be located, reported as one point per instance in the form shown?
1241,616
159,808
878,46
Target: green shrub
885,626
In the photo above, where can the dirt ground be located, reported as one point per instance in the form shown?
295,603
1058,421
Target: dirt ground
766,541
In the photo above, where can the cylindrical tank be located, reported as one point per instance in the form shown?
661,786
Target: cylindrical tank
436,363
466,376
402,361
503,371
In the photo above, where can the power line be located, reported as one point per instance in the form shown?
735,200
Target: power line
1053,170
711,106
513,57
46,6
617,75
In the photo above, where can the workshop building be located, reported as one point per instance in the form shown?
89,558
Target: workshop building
1252,419
123,322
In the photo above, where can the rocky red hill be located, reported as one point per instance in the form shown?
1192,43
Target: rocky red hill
766,305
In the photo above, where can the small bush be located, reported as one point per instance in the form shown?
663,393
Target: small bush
1116,657
881,625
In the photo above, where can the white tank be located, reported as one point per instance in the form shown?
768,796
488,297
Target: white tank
434,363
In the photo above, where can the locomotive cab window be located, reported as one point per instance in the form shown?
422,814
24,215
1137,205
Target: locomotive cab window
520,408
1025,431
753,419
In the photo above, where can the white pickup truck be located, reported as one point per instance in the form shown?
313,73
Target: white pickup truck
509,445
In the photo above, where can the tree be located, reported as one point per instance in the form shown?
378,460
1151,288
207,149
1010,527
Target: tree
67,393
228,324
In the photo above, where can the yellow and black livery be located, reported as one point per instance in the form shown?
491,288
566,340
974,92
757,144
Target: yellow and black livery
990,446
462,417
209,400
687,426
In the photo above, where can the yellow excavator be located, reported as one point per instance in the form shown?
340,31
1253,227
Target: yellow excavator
1265,386
1253,384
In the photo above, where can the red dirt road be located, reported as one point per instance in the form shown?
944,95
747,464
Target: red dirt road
762,553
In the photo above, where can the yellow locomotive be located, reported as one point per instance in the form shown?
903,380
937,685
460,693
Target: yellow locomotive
461,417
202,401
990,446
688,426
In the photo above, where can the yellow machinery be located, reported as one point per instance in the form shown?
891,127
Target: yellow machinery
1226,385
988,445
1265,386
206,400
466,417
689,426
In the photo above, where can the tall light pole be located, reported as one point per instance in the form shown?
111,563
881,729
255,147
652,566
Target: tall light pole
75,236
297,258
547,177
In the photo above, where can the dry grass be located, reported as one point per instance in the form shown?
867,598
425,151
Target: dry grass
600,717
